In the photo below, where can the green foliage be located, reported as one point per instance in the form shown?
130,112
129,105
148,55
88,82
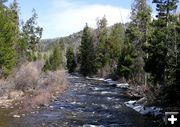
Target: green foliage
124,68
172,88
156,61
109,42
14,7
87,52
39,56
115,43
137,33
140,21
31,35
161,44
7,41
15,45
55,60
71,63
21,45
177,51
102,56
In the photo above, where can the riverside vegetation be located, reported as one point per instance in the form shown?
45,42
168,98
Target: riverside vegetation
28,78
143,52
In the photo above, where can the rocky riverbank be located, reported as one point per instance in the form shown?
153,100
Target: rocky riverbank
84,103
137,95
29,88
11,98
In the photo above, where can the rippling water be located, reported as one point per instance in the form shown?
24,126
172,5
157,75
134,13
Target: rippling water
86,103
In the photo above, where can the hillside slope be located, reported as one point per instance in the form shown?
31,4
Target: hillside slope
73,40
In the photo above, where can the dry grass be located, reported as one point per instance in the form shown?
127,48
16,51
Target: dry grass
48,87
104,72
38,88
42,98
4,87
27,75
2,82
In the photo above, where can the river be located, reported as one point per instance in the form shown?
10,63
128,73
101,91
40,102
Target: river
86,103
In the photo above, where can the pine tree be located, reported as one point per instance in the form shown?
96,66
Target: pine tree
87,52
137,33
57,58
102,54
31,35
7,40
71,63
115,43
54,61
172,91
14,7
177,49
125,62
157,48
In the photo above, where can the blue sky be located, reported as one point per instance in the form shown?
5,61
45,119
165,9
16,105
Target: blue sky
63,17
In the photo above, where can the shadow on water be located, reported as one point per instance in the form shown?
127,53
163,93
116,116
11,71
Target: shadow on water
85,103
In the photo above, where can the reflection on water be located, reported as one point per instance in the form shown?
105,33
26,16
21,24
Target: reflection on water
5,119
86,103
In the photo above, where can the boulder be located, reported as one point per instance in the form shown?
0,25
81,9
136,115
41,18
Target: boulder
16,116
144,110
123,85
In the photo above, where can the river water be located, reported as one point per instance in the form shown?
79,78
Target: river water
86,103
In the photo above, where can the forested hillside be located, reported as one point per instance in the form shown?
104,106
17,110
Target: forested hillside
73,40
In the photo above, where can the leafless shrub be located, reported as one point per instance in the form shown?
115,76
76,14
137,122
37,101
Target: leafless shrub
2,84
5,87
104,72
38,87
153,94
27,75
47,88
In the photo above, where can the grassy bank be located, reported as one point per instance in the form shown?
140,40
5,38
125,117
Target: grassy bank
28,87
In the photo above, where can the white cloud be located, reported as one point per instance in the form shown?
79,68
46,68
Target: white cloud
68,17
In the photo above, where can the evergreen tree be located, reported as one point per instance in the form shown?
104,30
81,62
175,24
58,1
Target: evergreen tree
7,40
87,52
177,49
55,60
14,7
71,63
137,33
31,35
114,45
172,89
158,50
125,68
102,38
